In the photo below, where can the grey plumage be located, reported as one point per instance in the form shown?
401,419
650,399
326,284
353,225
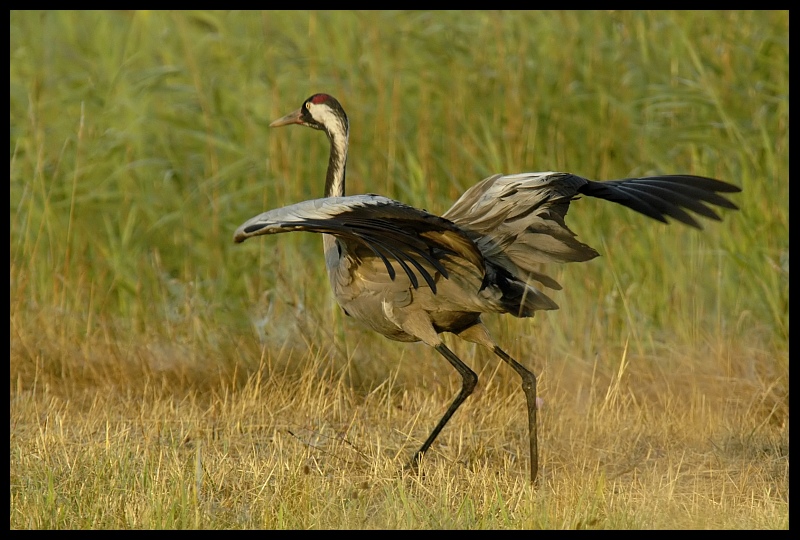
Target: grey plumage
411,275
517,220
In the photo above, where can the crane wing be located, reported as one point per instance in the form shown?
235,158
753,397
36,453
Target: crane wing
518,220
392,231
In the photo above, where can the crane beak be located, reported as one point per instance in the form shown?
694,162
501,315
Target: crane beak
291,118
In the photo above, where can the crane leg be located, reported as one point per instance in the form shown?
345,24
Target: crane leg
478,333
469,381
529,387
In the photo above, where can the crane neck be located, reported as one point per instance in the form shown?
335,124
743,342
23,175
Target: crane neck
334,180
334,187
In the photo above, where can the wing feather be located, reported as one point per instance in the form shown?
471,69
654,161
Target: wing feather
518,220
419,242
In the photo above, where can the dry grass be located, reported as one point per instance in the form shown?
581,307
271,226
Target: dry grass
170,440
161,377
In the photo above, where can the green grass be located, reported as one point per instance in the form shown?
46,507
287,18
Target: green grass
163,377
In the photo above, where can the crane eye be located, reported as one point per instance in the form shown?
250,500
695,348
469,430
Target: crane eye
308,105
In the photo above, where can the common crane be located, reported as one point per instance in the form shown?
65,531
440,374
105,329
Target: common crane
411,275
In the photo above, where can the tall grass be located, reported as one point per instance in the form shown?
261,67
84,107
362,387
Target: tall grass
162,376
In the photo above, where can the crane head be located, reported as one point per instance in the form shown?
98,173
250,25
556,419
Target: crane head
320,111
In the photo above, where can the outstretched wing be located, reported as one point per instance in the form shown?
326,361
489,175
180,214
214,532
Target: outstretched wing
659,197
392,231
518,220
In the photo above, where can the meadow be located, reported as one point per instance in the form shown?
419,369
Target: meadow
162,376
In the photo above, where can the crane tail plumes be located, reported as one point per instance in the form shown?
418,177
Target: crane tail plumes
417,241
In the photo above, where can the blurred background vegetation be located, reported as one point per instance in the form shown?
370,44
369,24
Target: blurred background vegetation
139,142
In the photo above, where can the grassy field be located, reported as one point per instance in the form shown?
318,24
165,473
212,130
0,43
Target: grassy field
163,377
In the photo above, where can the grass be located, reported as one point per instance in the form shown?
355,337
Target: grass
163,377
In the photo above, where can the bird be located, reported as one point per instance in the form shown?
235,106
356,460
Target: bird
411,275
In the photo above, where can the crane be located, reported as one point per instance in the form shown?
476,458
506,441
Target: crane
411,275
